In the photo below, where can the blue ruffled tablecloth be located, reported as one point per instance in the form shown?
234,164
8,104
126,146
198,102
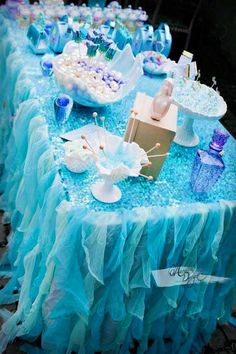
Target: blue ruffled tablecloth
80,270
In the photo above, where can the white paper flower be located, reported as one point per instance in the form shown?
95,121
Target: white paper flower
119,160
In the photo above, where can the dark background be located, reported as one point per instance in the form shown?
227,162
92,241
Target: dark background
209,27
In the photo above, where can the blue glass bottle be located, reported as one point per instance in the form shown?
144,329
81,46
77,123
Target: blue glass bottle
209,165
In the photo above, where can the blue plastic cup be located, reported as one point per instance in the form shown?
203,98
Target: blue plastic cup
62,107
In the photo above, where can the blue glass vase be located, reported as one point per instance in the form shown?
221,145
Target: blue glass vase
208,165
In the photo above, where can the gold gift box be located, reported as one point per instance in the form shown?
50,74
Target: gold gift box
146,132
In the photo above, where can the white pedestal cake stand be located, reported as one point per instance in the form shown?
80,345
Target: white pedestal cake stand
185,135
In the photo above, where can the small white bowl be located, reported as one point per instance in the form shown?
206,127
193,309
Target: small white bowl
77,159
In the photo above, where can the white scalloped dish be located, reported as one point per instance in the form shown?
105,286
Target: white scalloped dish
87,88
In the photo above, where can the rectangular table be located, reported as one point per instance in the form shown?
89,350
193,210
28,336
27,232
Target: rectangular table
81,270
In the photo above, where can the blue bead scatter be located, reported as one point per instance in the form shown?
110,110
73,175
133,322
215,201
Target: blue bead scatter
173,185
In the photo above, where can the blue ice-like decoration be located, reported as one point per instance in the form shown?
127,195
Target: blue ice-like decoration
146,39
163,38
38,39
122,37
61,34
108,29
143,39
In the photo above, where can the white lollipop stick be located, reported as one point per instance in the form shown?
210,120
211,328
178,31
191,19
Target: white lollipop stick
132,127
103,125
85,147
148,164
96,123
156,146
160,155
214,81
198,75
84,138
150,178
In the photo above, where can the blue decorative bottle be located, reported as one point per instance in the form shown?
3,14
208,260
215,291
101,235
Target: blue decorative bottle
209,165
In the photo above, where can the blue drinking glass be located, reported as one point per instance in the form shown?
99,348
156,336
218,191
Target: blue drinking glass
47,68
62,107
46,64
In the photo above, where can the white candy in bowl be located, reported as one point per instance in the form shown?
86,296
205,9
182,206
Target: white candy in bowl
95,81
155,63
